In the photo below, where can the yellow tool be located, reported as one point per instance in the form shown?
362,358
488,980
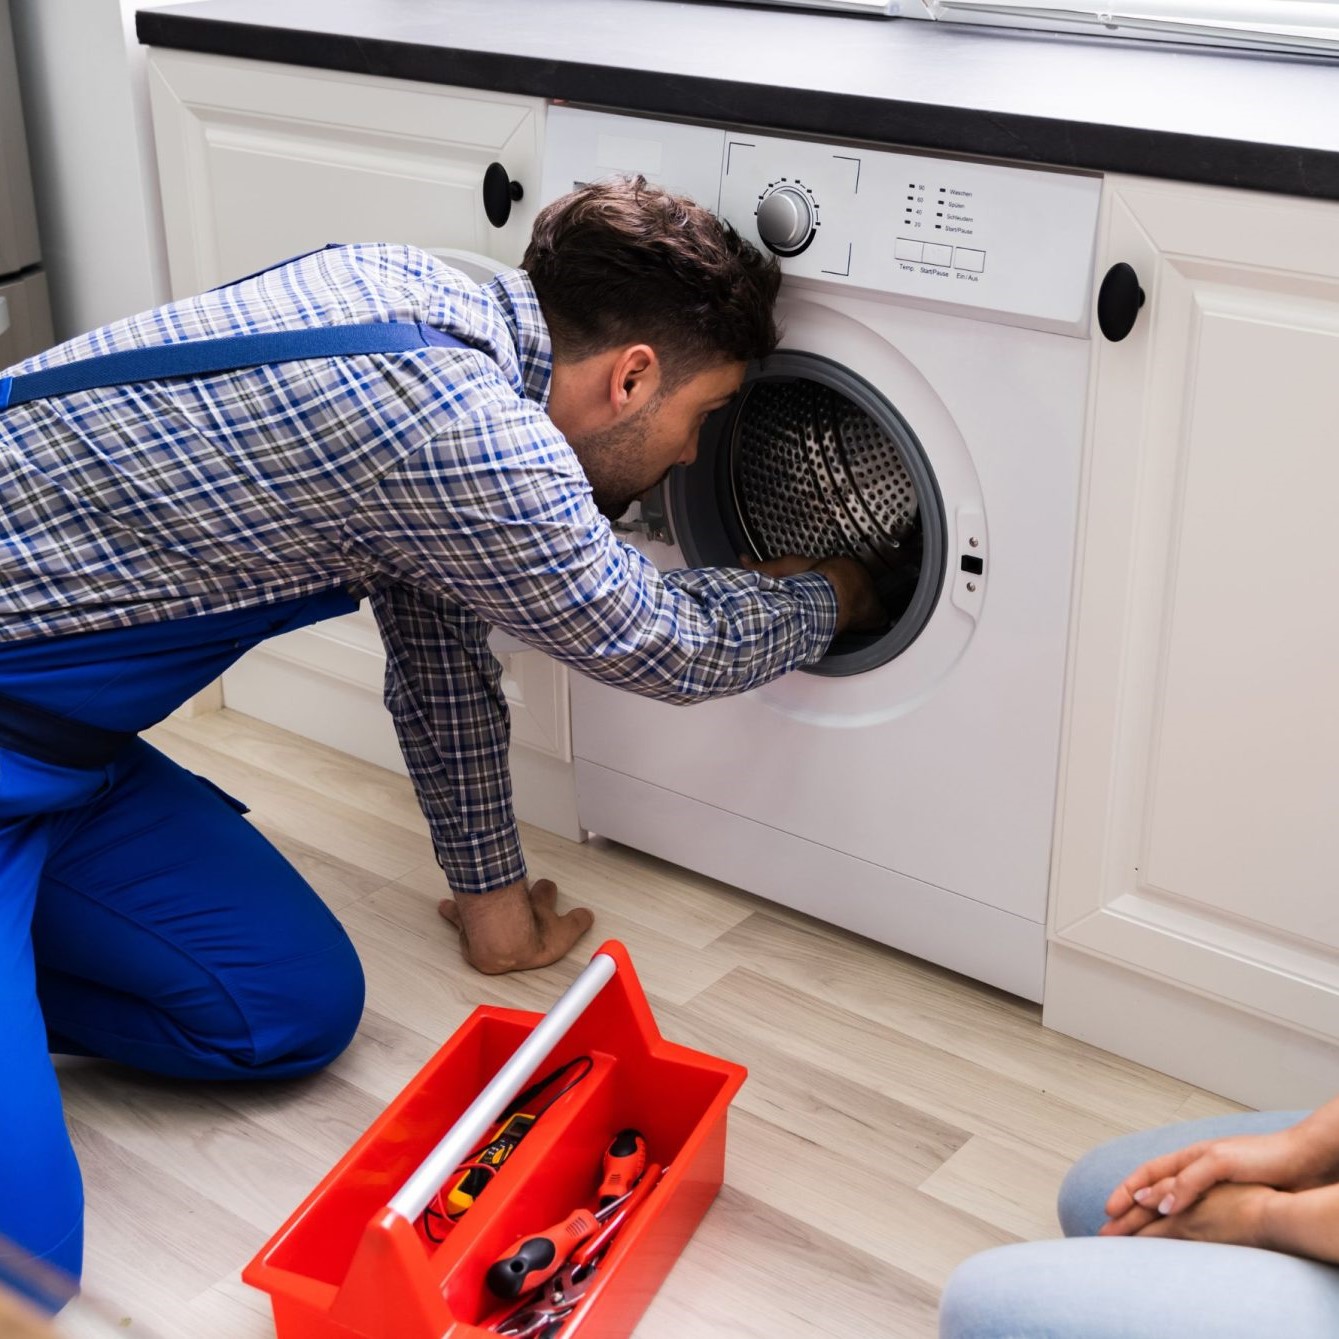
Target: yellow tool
480,1169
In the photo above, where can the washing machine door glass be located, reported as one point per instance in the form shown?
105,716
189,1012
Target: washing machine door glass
810,459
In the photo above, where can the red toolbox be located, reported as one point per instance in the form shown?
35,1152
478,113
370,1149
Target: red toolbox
353,1259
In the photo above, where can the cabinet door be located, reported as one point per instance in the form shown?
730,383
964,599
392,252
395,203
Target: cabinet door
260,162
1198,840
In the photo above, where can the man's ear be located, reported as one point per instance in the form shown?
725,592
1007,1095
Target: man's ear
634,378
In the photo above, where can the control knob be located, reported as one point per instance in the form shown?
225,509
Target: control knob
786,220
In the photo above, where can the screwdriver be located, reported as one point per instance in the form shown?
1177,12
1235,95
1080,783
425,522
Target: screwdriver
590,1249
624,1162
535,1259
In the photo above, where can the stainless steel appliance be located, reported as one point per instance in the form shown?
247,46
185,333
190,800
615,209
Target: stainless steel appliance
22,281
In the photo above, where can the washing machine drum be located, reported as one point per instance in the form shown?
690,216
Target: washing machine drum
812,460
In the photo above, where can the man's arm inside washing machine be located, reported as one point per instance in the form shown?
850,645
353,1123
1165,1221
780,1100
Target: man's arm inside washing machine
511,535
859,608
518,540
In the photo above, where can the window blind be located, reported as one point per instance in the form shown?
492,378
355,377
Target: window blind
1280,25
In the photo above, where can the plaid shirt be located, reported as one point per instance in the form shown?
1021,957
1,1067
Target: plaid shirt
430,480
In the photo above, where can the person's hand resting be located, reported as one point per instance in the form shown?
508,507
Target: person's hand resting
1230,1214
1303,1157
859,608
1294,1222
515,928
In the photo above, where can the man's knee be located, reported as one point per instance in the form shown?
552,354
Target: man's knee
308,1012
341,992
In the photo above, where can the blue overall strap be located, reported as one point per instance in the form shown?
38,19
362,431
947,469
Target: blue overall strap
199,357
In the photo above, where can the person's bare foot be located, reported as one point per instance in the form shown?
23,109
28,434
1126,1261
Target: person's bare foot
515,928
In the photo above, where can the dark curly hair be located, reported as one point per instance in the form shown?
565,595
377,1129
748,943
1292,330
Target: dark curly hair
620,261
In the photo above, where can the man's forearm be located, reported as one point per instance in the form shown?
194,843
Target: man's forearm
1304,1222
443,691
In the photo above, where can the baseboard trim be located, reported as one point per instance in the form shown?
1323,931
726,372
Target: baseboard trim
1201,1041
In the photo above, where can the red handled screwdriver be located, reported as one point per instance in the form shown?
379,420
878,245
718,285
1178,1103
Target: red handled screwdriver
624,1162
590,1249
537,1258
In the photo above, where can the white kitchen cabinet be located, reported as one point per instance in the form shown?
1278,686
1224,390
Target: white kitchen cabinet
259,162
1194,920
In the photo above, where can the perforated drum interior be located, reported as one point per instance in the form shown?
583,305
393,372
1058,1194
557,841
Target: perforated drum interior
813,474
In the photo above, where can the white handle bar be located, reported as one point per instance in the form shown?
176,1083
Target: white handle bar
455,1146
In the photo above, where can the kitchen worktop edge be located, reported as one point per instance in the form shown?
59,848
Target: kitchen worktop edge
434,50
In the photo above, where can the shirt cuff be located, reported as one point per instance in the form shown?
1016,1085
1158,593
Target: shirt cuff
822,597
482,862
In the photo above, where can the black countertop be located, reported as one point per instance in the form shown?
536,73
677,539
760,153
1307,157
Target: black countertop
1247,120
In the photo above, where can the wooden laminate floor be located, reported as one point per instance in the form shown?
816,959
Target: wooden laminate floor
897,1117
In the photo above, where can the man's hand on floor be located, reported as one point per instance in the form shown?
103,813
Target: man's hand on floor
515,928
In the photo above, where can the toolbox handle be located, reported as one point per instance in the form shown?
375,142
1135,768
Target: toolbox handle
482,1114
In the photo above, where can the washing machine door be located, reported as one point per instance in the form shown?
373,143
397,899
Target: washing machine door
811,459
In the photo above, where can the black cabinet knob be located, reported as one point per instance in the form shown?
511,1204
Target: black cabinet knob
1118,301
499,191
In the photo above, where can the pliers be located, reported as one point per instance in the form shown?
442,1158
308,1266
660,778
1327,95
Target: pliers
545,1317
535,1322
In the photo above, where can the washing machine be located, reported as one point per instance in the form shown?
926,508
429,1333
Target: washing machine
924,413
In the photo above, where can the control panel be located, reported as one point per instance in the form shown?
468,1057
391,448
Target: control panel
1014,244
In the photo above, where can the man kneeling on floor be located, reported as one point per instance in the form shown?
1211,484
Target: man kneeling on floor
362,422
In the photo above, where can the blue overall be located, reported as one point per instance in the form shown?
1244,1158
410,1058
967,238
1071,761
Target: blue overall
141,918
